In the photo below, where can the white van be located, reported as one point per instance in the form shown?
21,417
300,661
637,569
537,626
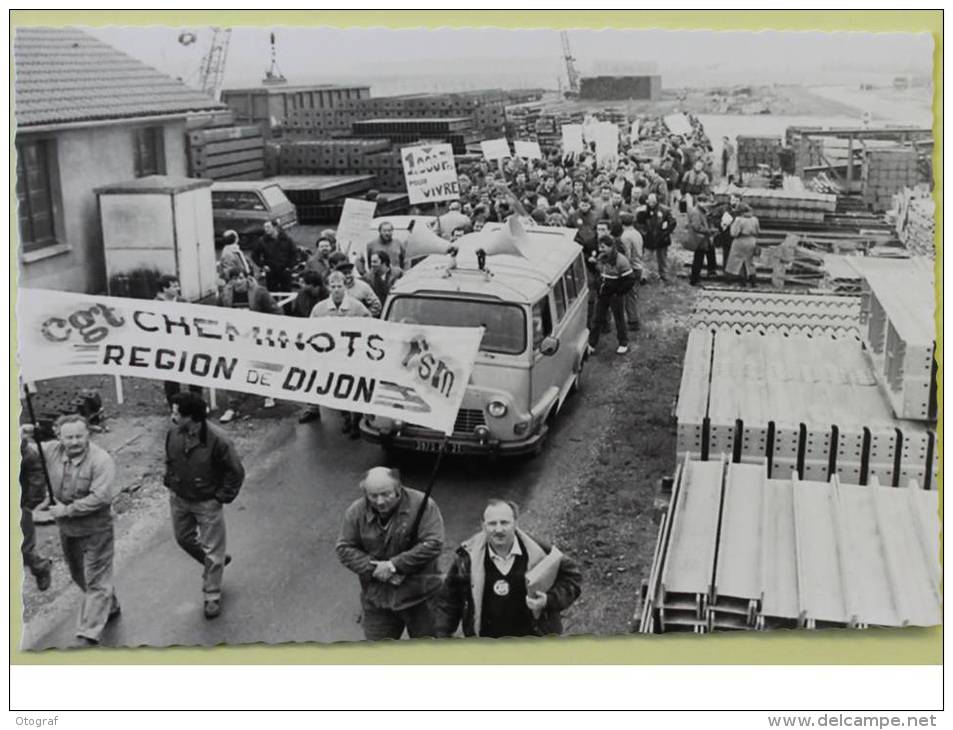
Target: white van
533,308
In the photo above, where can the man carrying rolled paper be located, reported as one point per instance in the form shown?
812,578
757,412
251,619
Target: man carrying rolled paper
503,582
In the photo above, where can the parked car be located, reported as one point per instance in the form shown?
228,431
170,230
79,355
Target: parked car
244,206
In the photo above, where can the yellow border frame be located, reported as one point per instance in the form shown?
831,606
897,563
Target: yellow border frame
905,646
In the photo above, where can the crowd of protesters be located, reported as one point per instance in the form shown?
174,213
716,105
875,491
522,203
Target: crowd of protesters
627,209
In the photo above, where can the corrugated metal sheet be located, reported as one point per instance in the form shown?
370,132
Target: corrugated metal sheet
64,75
817,315
739,550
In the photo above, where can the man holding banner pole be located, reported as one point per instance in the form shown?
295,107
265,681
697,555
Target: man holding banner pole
392,538
83,483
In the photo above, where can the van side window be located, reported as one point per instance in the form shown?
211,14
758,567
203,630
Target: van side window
579,273
248,201
542,321
559,292
570,283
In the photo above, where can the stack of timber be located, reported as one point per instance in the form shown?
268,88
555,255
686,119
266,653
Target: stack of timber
807,404
320,198
740,311
229,153
739,550
899,333
783,205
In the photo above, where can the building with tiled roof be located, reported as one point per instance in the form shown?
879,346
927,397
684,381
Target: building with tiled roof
63,76
87,116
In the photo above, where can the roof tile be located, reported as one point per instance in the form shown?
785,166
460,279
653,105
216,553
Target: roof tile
65,75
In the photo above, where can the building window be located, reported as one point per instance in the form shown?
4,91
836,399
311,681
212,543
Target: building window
36,192
150,151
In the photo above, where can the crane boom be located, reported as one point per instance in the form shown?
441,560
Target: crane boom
213,64
571,72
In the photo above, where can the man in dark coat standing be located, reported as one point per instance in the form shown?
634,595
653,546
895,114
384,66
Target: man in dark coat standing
203,472
399,573
277,254
657,223
486,588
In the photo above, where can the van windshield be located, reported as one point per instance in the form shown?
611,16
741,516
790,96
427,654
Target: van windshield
274,196
505,323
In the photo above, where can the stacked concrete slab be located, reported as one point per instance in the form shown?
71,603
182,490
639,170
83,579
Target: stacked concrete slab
739,550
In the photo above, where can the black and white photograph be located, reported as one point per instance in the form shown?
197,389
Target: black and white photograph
336,334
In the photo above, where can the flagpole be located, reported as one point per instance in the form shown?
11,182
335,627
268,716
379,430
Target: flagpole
36,438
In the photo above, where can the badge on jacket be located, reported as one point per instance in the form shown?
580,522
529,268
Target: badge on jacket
501,588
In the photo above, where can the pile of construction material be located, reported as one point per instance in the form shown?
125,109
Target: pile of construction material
227,153
456,131
805,404
888,171
320,198
783,205
914,213
351,157
739,550
899,332
757,150
817,315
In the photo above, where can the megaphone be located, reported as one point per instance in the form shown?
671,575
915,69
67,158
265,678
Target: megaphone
421,241
511,239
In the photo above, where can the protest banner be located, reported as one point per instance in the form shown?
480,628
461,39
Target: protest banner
411,372
430,172
528,149
354,228
495,149
572,139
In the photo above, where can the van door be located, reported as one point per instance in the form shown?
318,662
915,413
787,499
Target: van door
545,374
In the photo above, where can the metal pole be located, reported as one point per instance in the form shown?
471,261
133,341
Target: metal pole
36,438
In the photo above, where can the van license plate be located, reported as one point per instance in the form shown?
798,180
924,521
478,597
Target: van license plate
435,446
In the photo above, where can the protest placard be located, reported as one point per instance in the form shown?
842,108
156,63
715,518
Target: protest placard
430,172
415,373
495,149
528,149
606,137
572,138
678,124
353,229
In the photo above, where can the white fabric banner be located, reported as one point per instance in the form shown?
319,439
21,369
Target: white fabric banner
430,172
409,372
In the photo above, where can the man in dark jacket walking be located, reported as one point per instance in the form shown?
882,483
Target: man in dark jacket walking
203,472
398,571
657,224
486,588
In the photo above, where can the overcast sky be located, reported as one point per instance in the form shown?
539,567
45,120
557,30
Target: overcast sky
700,58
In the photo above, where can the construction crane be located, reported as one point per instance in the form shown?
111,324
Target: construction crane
273,75
212,67
571,72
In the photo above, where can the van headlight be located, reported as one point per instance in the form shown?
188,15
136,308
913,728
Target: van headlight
496,408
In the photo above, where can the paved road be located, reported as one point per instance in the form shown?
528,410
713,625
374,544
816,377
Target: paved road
285,583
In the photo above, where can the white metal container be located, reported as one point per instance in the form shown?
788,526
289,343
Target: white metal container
163,223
